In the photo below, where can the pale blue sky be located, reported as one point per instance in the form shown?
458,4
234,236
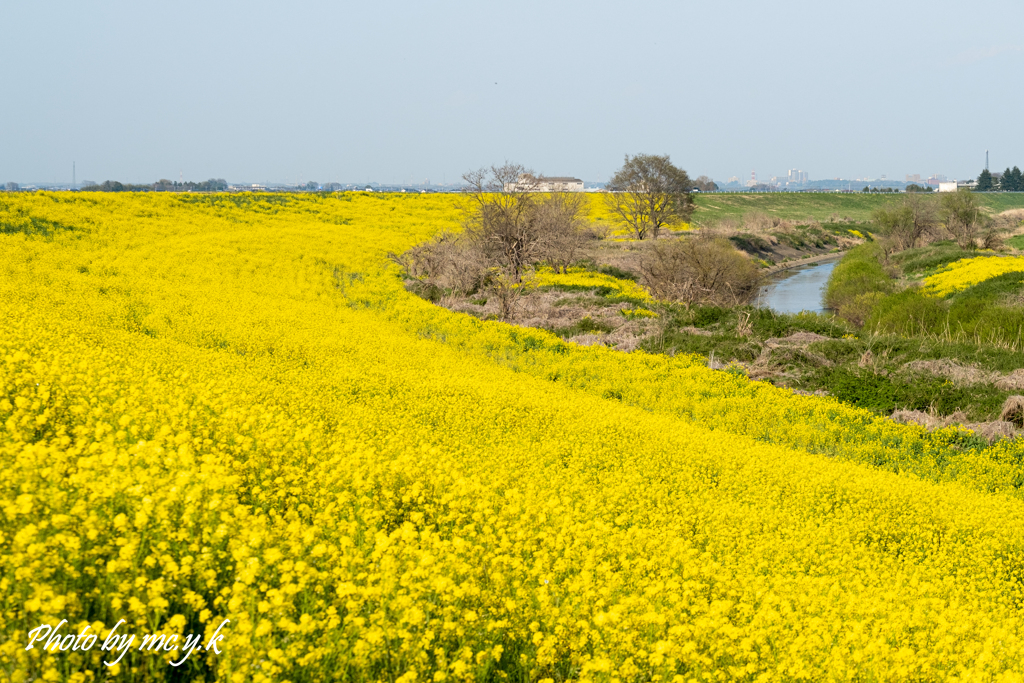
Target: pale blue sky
402,91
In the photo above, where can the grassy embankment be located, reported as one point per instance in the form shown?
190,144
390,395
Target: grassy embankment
796,206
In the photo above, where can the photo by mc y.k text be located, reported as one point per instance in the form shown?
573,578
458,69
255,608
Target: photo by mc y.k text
119,644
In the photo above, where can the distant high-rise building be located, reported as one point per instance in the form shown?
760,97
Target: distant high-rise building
915,178
797,176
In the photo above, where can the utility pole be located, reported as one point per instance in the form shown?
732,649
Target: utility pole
73,182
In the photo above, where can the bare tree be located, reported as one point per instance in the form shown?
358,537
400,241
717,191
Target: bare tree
963,218
510,227
501,215
562,220
924,216
649,193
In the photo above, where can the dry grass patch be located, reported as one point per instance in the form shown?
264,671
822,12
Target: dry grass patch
953,371
1012,382
990,431
1013,411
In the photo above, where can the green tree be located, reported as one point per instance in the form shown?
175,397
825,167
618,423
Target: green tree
985,183
1006,183
1018,181
649,193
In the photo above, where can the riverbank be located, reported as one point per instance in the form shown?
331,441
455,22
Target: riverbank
804,262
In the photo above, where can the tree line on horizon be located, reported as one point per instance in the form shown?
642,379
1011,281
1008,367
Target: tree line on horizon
162,185
1009,181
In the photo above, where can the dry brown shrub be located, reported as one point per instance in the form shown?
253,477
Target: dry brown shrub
956,417
992,239
451,263
1012,218
699,269
727,226
915,417
597,231
758,221
1013,411
993,431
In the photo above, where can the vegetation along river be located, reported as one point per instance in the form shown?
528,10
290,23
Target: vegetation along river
797,289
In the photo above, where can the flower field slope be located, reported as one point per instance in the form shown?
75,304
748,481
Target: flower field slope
227,407
968,272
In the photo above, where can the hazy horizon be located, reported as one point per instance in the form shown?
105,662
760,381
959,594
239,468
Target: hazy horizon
351,93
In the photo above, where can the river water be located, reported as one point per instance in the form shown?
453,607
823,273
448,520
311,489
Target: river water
797,289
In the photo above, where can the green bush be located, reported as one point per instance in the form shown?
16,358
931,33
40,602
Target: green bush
585,326
928,258
837,350
886,393
908,313
725,346
619,273
856,282
706,316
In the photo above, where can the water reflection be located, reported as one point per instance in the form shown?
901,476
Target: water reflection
797,289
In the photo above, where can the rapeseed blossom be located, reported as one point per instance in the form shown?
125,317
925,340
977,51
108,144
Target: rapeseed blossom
580,278
228,407
968,272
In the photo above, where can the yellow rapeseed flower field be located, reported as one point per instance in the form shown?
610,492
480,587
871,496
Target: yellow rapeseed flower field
228,407
968,272
578,278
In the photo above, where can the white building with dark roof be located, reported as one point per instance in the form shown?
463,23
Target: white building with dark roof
530,183
560,184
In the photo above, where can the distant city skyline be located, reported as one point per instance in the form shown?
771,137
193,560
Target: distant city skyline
353,92
785,176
